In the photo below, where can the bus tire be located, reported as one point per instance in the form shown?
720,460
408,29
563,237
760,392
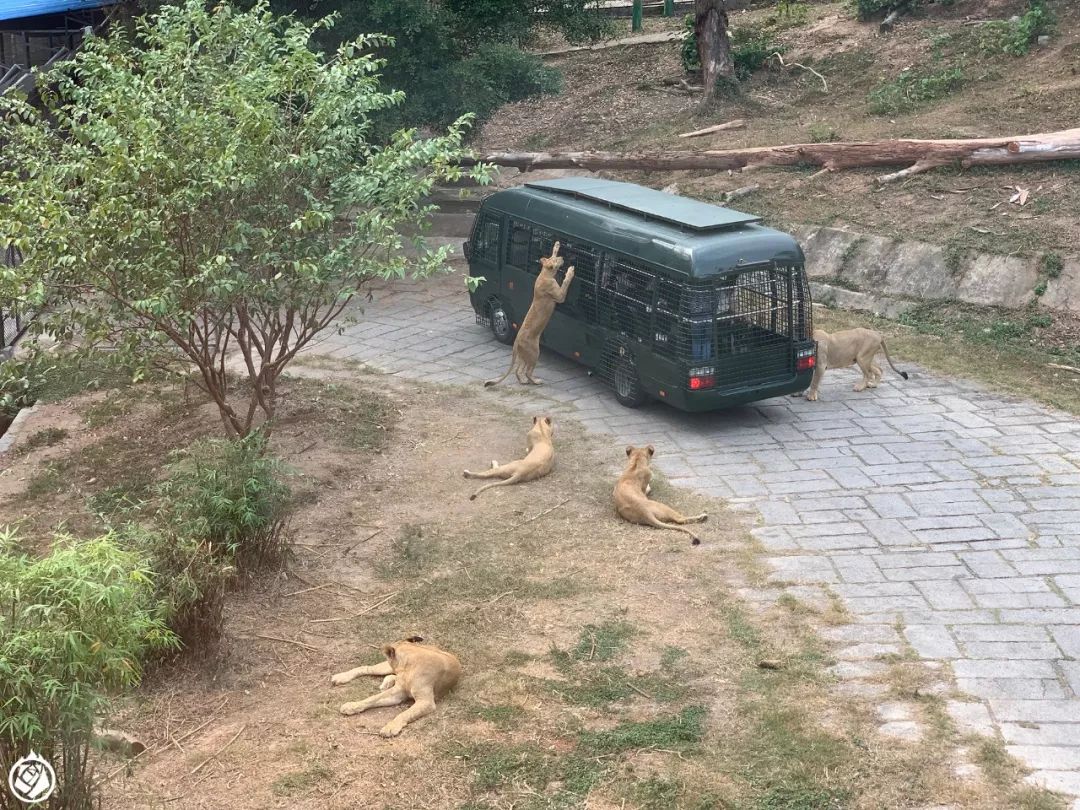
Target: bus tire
627,384
501,325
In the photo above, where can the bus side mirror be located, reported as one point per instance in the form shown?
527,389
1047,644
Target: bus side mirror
466,248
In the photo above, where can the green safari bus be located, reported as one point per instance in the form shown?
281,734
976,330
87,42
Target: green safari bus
693,304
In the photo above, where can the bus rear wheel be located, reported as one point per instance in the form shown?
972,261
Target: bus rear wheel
627,385
501,326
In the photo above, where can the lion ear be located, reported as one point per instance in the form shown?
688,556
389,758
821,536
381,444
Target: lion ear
547,419
389,652
535,418
629,449
651,449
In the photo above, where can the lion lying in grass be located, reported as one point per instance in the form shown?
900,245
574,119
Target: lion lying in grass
413,670
539,459
632,502
850,347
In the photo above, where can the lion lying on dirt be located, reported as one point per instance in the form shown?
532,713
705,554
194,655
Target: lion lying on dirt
546,294
413,671
632,497
843,349
539,459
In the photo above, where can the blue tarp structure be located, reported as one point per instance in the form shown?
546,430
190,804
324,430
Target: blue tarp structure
16,9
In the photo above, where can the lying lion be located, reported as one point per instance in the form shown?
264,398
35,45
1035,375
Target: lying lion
632,497
843,349
413,671
539,459
546,294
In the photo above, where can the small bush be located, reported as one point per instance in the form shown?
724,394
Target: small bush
228,495
868,9
1052,265
823,133
76,625
1015,37
190,583
913,88
20,382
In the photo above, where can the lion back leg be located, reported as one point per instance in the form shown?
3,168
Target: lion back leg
665,514
876,369
866,366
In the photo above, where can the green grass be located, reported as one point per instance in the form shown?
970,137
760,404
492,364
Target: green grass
301,781
602,642
681,732
914,88
504,716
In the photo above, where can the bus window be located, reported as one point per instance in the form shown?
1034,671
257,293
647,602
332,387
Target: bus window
701,309
666,337
583,259
540,248
517,247
486,242
627,291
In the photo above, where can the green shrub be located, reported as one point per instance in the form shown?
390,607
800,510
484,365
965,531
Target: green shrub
868,9
74,627
20,382
1052,265
229,496
749,50
1015,37
913,88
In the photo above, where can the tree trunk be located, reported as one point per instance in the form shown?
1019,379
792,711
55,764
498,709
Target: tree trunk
917,155
713,43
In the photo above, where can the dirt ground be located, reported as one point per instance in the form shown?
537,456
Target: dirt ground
606,665
616,100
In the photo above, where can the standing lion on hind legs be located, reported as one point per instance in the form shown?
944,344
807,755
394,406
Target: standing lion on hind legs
850,347
546,294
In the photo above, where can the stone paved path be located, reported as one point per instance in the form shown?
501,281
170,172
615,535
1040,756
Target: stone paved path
931,505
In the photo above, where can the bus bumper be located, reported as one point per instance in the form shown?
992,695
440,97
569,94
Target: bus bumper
715,400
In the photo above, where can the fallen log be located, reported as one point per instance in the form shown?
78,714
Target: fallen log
916,155
738,123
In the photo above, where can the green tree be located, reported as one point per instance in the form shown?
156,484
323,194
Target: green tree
456,56
205,189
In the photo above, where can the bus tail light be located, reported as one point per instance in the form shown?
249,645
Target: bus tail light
702,378
806,359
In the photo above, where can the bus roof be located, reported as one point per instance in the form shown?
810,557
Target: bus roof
673,232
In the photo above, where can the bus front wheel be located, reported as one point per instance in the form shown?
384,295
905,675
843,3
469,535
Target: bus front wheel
501,327
627,385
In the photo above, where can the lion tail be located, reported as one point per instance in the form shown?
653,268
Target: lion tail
885,349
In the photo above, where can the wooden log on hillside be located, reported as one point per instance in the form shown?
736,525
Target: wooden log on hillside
916,155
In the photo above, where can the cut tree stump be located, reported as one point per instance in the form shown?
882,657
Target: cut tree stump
916,155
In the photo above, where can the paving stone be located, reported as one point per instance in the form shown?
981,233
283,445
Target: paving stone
906,730
1014,650
1048,757
931,641
1041,733
1036,711
986,668
1067,782
861,633
1000,632
971,718
1012,688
